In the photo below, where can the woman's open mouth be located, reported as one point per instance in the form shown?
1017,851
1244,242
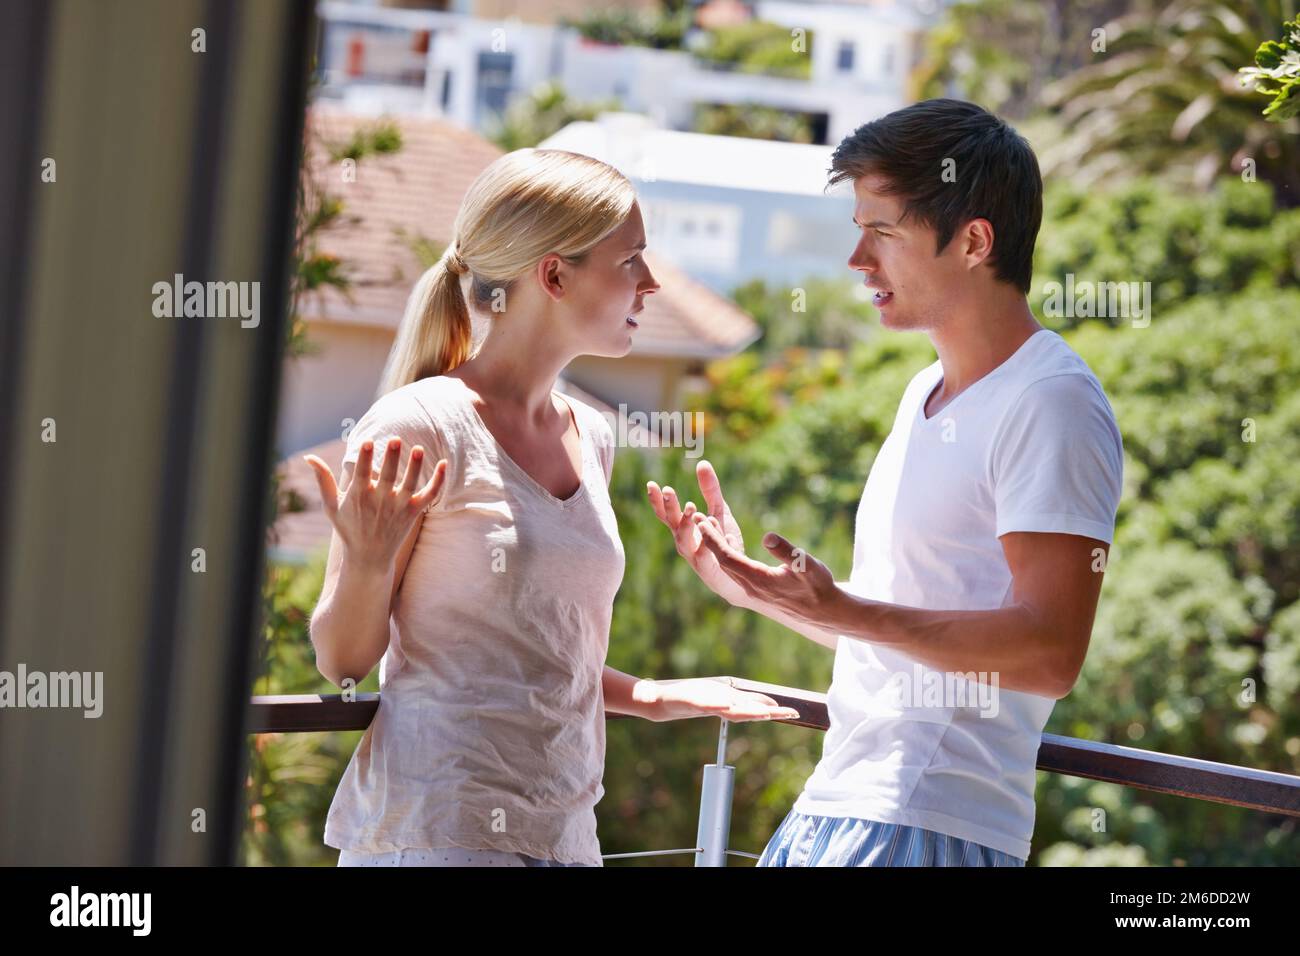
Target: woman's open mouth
881,298
631,319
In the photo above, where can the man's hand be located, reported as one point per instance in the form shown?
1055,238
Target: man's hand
689,541
801,587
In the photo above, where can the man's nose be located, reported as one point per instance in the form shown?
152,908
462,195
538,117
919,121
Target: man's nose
862,261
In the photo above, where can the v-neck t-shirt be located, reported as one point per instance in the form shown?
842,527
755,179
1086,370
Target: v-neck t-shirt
1031,446
490,732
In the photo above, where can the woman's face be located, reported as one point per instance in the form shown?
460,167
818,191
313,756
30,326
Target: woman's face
608,290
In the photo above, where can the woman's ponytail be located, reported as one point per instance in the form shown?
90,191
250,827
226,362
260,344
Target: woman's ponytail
436,333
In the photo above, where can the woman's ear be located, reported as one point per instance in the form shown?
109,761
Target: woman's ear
553,276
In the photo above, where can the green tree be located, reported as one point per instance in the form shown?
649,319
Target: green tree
663,29
752,121
818,313
1001,53
547,110
1276,73
758,47
1164,99
1223,242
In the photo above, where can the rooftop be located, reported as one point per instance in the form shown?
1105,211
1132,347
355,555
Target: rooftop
644,151
414,194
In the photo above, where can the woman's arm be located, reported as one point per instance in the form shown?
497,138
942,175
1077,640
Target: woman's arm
625,694
375,528
352,603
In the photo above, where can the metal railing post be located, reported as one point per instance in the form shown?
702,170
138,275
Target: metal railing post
715,807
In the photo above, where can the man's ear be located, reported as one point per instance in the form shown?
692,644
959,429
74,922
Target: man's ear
977,242
553,275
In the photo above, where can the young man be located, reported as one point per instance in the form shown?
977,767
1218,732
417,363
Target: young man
982,531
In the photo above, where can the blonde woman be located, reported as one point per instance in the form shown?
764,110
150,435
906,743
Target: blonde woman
484,590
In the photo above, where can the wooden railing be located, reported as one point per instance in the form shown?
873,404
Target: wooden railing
1262,790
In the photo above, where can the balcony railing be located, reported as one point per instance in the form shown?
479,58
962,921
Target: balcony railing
1262,790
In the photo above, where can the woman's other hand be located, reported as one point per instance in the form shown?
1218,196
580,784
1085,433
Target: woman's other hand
711,697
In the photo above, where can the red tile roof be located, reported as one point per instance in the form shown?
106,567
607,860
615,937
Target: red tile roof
417,192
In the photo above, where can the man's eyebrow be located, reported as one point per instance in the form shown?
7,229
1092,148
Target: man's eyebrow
874,224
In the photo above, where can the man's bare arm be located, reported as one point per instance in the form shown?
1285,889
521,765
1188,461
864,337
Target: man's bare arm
814,632
1036,644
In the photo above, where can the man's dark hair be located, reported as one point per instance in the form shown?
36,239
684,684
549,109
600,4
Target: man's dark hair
994,175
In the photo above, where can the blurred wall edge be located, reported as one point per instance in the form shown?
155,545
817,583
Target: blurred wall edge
134,439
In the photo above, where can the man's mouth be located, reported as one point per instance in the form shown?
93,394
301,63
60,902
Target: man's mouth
879,295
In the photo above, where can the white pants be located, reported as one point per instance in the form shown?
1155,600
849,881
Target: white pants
442,856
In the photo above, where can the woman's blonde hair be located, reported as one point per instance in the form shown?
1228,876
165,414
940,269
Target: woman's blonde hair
527,204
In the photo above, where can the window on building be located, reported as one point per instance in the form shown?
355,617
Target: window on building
702,234
494,71
844,61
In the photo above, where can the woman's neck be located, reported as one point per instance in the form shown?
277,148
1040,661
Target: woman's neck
511,369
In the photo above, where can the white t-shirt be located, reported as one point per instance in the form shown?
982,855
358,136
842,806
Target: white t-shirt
1031,446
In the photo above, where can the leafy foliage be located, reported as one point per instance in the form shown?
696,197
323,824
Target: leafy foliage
659,29
547,110
318,210
819,313
751,121
1001,53
1146,230
758,47
1276,73
1160,100
292,777
1117,88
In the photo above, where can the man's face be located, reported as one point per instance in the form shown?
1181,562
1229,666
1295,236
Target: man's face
915,289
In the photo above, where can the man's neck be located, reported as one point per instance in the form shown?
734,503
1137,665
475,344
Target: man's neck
972,345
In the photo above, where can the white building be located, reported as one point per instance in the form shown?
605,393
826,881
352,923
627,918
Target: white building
466,69
723,208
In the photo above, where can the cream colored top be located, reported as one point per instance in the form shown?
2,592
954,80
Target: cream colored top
490,732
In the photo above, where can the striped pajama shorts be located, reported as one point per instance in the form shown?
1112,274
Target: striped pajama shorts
803,839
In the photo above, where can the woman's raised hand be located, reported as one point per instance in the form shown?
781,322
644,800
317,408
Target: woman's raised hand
374,516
